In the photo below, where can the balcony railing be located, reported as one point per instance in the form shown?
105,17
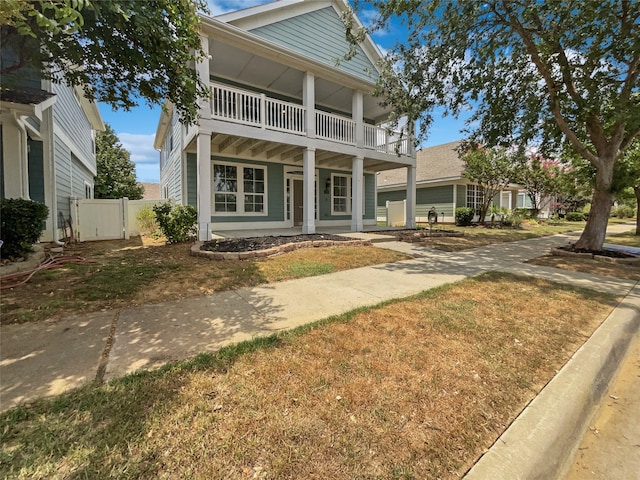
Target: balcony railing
258,110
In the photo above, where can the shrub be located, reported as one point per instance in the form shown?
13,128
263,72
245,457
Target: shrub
575,216
464,216
623,211
177,222
21,224
147,221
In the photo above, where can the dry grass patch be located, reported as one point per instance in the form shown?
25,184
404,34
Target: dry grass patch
417,388
479,236
144,271
595,267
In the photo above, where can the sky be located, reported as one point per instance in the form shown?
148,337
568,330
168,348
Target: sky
136,128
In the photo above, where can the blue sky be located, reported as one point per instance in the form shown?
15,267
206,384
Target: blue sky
136,128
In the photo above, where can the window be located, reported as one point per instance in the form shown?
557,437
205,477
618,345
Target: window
88,190
239,189
253,189
340,194
474,196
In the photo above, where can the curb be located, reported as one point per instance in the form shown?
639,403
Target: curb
542,441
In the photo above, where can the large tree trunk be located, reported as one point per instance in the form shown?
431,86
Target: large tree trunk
636,190
595,231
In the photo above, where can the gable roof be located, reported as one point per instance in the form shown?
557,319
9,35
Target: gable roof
433,164
311,27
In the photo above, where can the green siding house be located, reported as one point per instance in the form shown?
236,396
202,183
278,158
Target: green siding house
440,184
47,137
290,137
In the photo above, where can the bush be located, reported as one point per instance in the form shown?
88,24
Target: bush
147,221
575,216
623,211
178,223
464,216
21,224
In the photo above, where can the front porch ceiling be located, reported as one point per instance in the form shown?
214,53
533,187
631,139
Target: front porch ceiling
231,146
244,67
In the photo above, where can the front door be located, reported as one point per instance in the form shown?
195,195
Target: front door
298,196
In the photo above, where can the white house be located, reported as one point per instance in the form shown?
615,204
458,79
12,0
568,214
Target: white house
291,136
47,141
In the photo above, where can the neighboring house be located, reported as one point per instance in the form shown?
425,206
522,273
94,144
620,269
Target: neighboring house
440,183
47,141
291,137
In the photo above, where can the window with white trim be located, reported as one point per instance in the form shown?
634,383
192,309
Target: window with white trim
239,189
340,194
88,190
475,196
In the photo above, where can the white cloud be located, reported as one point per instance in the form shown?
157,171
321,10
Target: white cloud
146,158
218,7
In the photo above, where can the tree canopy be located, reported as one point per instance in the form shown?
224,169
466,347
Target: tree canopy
534,72
492,169
119,51
116,176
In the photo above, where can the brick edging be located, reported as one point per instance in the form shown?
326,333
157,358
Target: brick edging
559,252
269,252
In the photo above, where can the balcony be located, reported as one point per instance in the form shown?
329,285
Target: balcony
260,111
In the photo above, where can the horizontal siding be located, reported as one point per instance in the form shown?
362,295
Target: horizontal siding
395,196
369,196
62,155
171,167
440,197
319,35
70,118
461,196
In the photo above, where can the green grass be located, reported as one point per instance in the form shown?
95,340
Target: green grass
104,431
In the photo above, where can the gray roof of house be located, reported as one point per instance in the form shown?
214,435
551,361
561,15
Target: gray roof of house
432,164
24,96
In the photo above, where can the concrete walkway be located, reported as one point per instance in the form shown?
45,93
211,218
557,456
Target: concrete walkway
52,357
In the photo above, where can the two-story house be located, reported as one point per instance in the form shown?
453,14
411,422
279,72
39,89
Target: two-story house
47,138
291,136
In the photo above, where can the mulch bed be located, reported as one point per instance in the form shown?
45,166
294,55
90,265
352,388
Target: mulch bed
264,243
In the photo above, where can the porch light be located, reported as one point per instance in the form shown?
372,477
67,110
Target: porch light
327,186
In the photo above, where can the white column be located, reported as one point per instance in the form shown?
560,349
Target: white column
15,159
204,186
309,188
455,200
203,71
309,103
357,116
357,193
411,196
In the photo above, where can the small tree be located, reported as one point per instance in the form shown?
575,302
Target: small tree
539,178
116,176
492,170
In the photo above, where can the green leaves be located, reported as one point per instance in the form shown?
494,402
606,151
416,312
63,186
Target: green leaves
122,49
116,177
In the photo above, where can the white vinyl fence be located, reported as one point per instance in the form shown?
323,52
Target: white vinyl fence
397,213
94,219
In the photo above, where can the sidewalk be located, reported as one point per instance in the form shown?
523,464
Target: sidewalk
52,357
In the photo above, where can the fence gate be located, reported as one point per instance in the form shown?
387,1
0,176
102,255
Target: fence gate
100,219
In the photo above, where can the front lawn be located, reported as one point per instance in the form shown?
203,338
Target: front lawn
416,388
